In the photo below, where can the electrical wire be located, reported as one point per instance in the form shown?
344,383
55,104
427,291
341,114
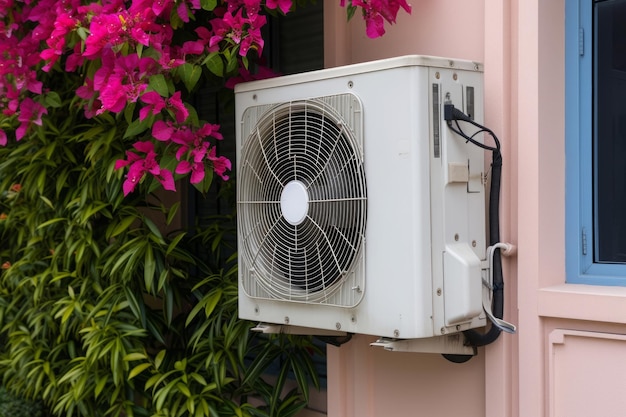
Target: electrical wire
452,117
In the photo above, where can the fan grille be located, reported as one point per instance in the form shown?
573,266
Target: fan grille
302,202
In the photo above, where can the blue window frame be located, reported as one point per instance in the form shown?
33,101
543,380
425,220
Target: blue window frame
595,41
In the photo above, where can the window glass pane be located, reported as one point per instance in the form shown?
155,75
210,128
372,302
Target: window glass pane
610,131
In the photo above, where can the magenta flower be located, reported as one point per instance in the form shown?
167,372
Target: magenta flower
3,138
122,79
254,39
176,105
252,8
375,10
220,164
283,5
30,112
139,167
244,75
155,103
113,97
162,131
196,168
106,30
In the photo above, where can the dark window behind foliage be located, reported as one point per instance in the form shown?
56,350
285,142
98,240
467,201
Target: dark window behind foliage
294,44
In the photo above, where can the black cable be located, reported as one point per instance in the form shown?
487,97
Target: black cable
473,337
451,114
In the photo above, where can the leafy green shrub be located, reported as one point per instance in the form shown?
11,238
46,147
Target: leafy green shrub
15,407
101,313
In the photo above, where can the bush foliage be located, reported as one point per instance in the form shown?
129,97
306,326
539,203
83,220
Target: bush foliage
103,314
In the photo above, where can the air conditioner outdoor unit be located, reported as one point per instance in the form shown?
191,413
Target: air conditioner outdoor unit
359,210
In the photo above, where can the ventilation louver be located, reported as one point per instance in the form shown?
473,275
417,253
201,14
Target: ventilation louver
302,200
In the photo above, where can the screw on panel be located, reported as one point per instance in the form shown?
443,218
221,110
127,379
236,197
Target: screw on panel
439,291
455,76
476,67
456,237
473,243
256,310
396,333
353,319
253,96
437,75
338,326
451,63
286,319
443,330
350,84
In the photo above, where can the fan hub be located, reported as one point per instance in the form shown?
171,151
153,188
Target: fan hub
294,202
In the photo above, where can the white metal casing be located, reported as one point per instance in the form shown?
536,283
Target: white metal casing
425,231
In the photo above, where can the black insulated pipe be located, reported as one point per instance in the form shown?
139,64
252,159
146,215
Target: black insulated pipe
473,337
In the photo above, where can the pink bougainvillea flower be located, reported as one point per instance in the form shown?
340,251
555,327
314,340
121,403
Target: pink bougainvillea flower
105,30
210,130
155,103
30,112
374,11
113,97
252,8
244,75
175,103
3,138
162,131
374,26
139,167
161,7
220,164
254,39
75,59
121,80
283,5
193,47
196,168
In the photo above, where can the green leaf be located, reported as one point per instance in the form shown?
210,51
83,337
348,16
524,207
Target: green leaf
100,384
52,99
120,227
184,389
138,369
174,243
233,63
189,74
137,127
129,112
214,63
208,4
204,185
158,359
135,356
82,32
172,212
153,229
159,84
350,10
208,303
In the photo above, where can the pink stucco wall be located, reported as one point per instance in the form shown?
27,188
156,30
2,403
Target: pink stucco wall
565,359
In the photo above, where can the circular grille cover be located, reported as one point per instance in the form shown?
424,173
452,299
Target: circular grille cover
301,202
